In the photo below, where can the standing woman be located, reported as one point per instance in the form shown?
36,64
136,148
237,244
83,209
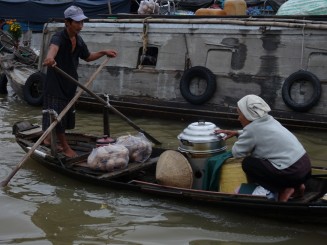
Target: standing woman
66,48
273,157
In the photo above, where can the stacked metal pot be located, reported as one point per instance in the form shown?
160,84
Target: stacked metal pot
199,142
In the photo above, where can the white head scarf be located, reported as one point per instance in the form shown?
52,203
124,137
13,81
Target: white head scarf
253,107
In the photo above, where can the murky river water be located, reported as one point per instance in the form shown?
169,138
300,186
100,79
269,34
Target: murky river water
42,207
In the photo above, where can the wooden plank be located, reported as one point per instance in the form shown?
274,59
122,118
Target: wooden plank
31,133
319,171
131,168
195,192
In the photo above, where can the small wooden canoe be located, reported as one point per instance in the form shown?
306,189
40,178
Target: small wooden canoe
141,177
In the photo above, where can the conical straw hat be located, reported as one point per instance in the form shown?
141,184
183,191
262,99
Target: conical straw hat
173,169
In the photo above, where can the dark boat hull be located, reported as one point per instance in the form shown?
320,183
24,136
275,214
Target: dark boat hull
140,177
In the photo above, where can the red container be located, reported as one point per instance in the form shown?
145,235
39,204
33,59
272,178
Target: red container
105,141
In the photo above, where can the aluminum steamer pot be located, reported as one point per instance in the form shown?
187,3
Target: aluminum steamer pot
199,138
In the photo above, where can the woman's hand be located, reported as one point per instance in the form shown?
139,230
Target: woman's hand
228,133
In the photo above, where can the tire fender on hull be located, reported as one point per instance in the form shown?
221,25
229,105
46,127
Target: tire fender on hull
202,73
33,89
297,77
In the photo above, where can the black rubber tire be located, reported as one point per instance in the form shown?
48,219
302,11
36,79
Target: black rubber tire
185,83
296,77
33,89
3,84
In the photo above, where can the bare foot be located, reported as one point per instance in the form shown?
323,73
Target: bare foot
68,152
299,191
47,144
285,194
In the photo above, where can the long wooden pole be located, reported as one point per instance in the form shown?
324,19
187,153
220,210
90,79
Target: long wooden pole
52,125
316,25
105,103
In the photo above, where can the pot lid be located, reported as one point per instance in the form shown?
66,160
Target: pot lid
200,132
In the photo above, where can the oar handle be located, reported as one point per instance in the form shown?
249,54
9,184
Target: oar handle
105,103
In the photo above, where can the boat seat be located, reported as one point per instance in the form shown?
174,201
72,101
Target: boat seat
27,130
33,131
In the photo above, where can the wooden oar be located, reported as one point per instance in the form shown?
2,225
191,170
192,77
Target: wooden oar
53,124
105,103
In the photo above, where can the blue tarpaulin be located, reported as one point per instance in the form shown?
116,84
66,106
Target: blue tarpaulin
36,12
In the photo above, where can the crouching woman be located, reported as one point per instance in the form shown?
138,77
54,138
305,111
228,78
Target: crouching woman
273,157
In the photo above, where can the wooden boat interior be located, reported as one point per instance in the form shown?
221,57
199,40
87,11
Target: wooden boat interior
140,175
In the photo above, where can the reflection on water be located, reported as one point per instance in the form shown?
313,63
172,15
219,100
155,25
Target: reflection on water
76,213
43,207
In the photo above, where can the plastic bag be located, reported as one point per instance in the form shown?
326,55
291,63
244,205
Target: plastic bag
138,146
148,7
303,7
108,158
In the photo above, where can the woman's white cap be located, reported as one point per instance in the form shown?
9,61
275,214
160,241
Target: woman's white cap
253,107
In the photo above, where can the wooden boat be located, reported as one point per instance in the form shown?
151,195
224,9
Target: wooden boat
143,178
17,75
18,67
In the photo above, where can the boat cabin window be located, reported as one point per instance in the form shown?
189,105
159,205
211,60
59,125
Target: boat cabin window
149,58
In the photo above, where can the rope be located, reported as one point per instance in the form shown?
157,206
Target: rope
144,41
107,99
26,55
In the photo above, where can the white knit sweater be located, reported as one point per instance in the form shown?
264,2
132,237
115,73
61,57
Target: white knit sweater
266,138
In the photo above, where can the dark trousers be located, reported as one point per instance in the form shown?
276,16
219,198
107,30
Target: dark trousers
67,122
261,171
